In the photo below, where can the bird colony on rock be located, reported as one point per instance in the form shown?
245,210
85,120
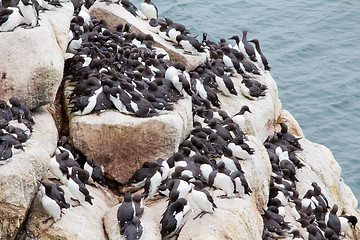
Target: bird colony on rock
16,124
317,220
120,69
25,13
74,170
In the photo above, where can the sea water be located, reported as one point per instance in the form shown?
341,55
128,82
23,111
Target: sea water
313,48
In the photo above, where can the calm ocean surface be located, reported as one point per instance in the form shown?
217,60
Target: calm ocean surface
313,48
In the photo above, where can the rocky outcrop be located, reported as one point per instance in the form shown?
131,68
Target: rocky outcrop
18,177
121,143
81,222
33,74
114,14
136,140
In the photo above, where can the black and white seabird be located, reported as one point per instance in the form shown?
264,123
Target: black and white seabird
10,18
95,171
139,208
202,198
261,59
190,44
251,89
138,178
59,165
153,180
53,200
249,50
149,9
80,173
126,212
78,189
178,189
225,83
29,12
241,185
134,229
172,218
223,182
241,119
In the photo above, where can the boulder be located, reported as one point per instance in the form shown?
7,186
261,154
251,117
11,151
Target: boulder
81,222
18,177
122,143
235,218
39,53
114,14
320,167
230,217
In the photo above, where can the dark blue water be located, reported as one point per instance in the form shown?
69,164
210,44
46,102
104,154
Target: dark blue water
313,48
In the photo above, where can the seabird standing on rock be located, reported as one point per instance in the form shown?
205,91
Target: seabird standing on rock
176,30
241,185
29,12
202,198
126,212
149,9
251,90
53,200
261,59
78,189
153,180
138,178
223,182
80,173
130,7
240,118
190,44
225,83
172,218
10,18
134,229
59,165
249,50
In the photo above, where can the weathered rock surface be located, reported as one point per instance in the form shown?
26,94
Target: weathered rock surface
230,217
114,13
122,143
39,54
293,125
18,178
236,218
81,222
257,171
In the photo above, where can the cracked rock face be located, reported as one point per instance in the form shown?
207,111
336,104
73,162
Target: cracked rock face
136,140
